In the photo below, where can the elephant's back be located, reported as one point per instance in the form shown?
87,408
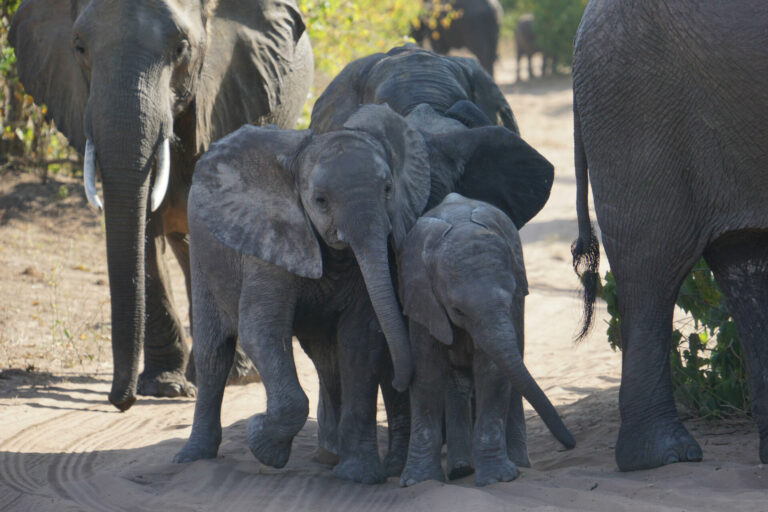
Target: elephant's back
672,102
407,79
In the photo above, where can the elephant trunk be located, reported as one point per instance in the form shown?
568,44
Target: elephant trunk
372,256
505,354
127,126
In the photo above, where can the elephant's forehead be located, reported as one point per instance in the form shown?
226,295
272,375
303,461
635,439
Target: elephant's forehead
150,21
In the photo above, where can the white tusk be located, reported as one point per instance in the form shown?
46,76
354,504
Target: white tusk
89,176
163,173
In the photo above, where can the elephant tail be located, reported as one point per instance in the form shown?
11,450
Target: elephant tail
585,249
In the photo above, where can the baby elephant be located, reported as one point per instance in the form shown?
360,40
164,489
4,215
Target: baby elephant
463,288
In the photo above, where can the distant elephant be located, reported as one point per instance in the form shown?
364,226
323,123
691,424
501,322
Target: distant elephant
672,132
290,234
463,287
526,46
142,88
476,28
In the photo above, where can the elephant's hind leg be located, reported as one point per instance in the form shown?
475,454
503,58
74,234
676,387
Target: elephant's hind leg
740,264
165,348
647,284
213,352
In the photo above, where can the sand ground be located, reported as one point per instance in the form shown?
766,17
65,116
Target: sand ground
64,447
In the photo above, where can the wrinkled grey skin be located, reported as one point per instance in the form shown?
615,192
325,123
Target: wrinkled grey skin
526,46
463,287
290,234
407,78
127,75
404,78
677,152
476,29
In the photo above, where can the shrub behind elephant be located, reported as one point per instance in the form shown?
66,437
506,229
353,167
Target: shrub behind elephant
463,287
474,25
122,80
290,233
678,171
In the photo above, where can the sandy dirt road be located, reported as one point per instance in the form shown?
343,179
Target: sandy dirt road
64,447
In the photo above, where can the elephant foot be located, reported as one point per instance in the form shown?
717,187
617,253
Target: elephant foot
266,444
518,453
123,401
645,446
415,473
459,469
165,384
500,471
361,470
198,448
243,371
326,457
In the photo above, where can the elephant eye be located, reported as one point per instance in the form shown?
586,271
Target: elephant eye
321,202
388,189
182,48
79,47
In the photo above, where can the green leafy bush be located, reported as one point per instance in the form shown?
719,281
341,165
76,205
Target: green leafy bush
344,30
707,366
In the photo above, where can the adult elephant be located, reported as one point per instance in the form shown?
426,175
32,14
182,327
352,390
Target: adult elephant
142,88
671,124
475,27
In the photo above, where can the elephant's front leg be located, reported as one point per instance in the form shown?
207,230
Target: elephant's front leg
489,446
265,329
165,349
427,405
360,361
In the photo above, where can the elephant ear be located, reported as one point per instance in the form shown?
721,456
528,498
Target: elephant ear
408,158
246,196
495,221
499,168
251,46
487,95
420,303
41,34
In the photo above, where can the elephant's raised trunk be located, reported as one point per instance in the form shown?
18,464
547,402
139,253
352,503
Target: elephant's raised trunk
372,257
496,343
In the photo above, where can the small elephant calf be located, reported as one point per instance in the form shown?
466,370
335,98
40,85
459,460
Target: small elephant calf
463,288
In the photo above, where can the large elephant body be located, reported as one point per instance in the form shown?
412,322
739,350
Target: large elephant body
307,243
671,128
145,86
474,25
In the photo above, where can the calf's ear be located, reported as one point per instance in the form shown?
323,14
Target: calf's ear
499,168
245,193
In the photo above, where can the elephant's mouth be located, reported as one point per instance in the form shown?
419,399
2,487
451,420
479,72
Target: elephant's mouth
162,175
335,239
